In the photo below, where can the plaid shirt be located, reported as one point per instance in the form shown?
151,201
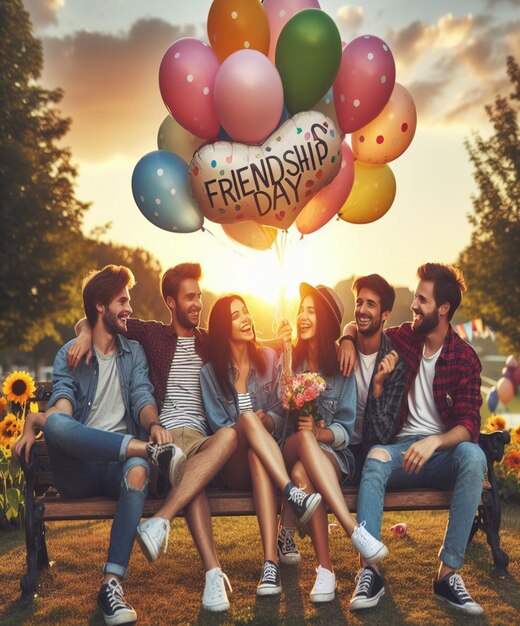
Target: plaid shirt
380,418
456,385
160,342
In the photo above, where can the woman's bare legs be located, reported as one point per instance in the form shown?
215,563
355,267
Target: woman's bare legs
323,472
318,524
245,469
266,506
265,447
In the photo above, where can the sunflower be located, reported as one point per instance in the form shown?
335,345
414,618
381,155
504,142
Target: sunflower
19,387
497,422
512,459
515,435
10,429
3,403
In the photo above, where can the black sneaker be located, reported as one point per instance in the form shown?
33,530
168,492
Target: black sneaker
369,589
269,584
303,504
170,460
451,589
112,603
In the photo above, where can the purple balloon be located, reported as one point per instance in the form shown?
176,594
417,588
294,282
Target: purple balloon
186,80
364,83
248,96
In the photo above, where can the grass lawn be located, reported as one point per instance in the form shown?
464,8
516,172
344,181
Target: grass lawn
169,591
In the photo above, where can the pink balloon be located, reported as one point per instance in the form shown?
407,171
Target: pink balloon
327,202
248,96
186,80
505,390
279,12
364,83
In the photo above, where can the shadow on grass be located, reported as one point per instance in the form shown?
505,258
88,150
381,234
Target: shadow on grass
505,588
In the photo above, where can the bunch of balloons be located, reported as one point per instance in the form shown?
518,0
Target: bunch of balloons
256,136
507,386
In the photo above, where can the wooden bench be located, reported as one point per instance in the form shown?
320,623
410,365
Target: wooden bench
44,504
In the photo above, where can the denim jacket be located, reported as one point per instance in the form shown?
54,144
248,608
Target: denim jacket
222,411
79,385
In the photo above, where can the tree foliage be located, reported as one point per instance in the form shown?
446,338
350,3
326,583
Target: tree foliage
42,247
491,261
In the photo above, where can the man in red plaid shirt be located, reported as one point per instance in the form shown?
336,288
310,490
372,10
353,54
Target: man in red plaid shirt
436,441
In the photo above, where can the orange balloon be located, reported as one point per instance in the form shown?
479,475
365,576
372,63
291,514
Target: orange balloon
251,234
505,390
237,25
388,135
372,194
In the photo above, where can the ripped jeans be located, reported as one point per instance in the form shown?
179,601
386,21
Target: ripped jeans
89,462
461,469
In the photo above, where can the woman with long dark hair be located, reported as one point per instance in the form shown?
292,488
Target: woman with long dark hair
240,390
317,454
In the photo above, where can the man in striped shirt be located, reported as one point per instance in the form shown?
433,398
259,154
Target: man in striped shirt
176,353
436,440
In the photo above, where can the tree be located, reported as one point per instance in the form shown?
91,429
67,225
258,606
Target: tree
42,248
490,263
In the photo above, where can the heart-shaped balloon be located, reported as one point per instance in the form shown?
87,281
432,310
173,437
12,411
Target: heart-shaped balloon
271,183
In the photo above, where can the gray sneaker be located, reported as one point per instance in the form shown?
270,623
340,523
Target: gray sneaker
151,534
287,549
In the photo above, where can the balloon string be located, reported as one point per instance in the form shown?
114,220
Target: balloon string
224,243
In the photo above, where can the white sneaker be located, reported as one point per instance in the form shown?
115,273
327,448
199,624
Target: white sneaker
150,536
324,588
215,597
370,548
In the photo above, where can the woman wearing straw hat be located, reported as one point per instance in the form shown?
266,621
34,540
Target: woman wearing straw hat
317,454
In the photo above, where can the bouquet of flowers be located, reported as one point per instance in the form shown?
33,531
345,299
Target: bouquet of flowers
299,393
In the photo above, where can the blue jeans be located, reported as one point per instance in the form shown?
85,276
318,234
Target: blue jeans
89,462
461,469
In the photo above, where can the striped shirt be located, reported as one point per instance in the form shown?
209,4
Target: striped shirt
244,402
183,405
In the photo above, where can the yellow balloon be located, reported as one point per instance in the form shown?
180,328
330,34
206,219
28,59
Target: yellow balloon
251,234
388,135
372,194
174,138
237,25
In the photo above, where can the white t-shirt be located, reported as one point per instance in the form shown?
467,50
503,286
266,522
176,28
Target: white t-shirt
363,370
423,418
108,410
183,406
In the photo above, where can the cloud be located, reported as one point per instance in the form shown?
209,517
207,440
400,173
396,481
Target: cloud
426,95
43,12
350,17
111,86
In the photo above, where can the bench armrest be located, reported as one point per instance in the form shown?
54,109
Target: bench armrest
493,444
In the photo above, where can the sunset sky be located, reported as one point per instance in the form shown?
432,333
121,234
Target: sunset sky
450,56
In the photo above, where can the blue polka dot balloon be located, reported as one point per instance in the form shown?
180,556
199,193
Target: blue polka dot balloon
161,189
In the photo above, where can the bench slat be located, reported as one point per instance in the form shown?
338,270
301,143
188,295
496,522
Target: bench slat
224,503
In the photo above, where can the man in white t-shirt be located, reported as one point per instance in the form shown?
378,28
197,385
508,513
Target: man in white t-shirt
436,441
96,427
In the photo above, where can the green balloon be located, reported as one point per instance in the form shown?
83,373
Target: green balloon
308,56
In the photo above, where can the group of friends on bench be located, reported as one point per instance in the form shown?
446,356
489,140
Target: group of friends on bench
401,409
